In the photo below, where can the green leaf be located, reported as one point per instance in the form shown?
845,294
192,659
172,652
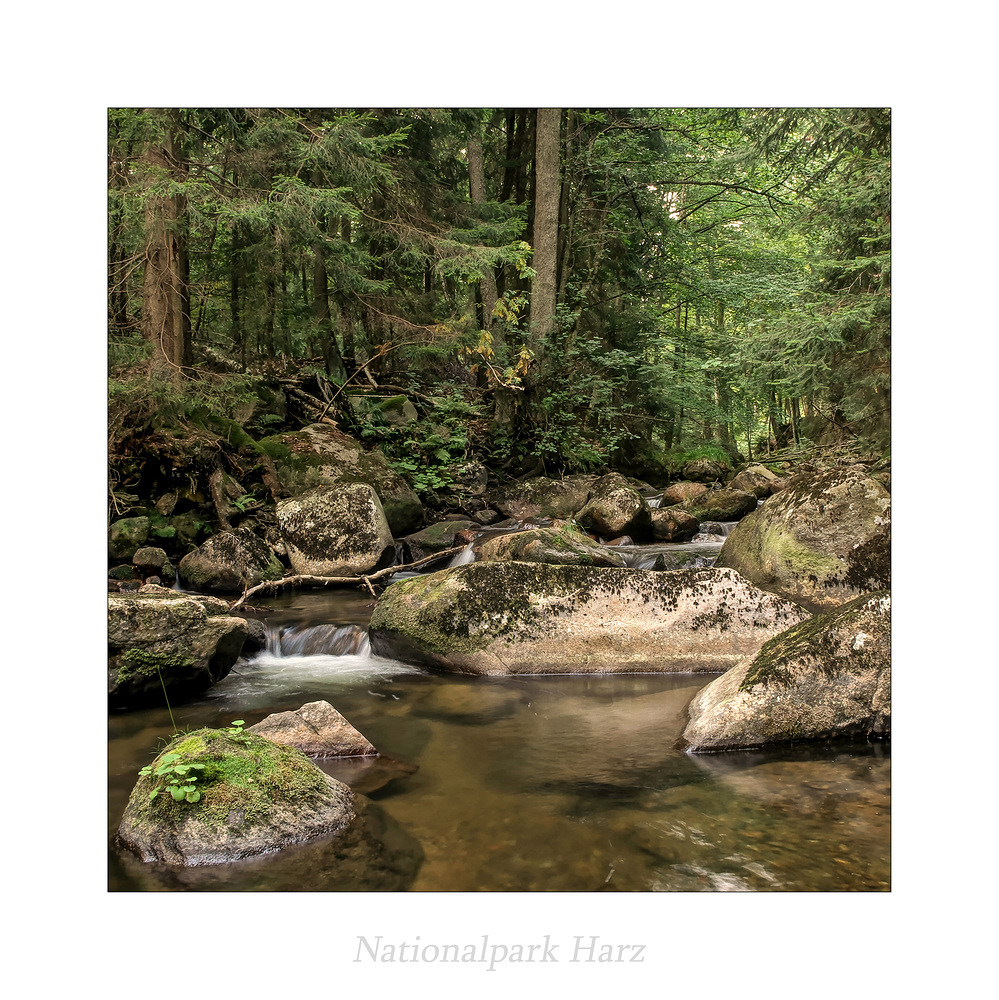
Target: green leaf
177,794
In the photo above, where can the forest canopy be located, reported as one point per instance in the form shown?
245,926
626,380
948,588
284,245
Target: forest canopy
579,288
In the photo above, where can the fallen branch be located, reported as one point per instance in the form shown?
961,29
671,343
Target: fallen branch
270,586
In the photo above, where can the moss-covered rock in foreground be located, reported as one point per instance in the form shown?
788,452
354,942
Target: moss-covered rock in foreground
518,617
827,677
823,540
255,797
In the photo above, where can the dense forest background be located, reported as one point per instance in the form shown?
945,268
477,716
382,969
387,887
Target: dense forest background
555,289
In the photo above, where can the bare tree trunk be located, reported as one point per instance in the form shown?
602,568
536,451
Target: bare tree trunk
477,187
546,205
163,288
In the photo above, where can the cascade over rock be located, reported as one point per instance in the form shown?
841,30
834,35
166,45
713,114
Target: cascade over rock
822,540
321,455
516,617
189,640
335,531
829,676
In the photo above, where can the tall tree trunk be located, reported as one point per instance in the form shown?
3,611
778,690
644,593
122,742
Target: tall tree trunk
321,314
163,286
546,204
477,187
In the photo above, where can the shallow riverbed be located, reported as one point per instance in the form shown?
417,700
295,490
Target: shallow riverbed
567,783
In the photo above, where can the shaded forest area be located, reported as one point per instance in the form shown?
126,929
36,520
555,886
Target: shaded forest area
550,290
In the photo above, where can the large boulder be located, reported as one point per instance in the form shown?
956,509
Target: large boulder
542,497
671,524
756,479
317,729
320,455
616,508
183,642
827,677
823,540
564,546
677,493
721,505
253,796
230,562
336,531
515,617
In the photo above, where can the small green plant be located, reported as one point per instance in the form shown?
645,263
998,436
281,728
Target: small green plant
235,731
244,501
177,779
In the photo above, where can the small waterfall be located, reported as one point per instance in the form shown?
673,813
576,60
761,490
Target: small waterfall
714,529
319,640
462,558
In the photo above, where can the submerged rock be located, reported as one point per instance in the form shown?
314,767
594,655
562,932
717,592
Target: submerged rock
253,797
827,677
230,562
822,540
189,641
565,546
336,531
516,617
317,729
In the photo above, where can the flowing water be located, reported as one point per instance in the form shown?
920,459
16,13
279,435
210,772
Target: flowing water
565,783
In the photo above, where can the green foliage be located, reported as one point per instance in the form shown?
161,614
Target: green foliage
177,780
422,451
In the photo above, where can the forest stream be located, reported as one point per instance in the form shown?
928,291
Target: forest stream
526,783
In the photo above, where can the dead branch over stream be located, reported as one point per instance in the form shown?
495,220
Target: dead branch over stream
271,586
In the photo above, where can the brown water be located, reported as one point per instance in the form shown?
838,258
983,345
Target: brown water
564,783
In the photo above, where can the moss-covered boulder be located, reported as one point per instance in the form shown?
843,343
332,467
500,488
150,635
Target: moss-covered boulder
827,677
516,617
126,536
398,410
543,497
436,538
317,729
229,562
190,642
721,505
756,479
320,455
153,561
823,540
253,797
564,546
336,531
616,508
705,470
